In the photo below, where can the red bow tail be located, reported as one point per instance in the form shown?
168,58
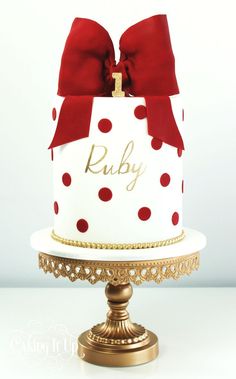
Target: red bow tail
74,120
161,121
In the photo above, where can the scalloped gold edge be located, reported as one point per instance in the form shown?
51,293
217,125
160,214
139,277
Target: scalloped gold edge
120,272
118,246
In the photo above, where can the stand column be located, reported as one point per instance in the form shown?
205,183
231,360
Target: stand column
118,341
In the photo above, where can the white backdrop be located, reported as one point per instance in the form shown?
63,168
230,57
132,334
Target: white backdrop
32,36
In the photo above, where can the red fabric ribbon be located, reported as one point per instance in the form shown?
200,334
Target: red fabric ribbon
148,70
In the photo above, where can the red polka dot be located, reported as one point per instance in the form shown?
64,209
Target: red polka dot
182,186
105,194
179,152
144,213
175,218
140,112
156,143
165,180
56,207
104,125
54,114
82,225
66,179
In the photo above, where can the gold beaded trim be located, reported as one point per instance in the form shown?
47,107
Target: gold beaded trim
115,246
117,341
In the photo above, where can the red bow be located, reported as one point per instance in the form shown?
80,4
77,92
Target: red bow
148,70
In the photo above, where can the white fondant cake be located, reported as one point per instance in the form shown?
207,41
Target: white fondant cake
119,185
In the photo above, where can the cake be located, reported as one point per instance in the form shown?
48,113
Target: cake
117,151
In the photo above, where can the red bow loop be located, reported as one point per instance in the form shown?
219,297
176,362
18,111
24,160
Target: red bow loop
149,58
87,53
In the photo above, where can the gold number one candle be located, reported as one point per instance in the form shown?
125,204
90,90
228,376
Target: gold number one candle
118,85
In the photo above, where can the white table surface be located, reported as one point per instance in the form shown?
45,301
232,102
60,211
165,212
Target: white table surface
196,329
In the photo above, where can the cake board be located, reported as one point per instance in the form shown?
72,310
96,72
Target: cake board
118,341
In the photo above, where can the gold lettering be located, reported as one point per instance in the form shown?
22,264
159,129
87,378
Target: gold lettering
138,172
89,164
127,152
124,166
118,85
110,170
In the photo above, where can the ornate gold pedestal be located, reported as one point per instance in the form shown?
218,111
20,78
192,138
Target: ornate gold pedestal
118,341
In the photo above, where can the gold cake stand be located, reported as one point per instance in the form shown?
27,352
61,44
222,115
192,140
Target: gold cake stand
118,341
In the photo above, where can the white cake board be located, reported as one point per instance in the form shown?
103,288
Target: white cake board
193,242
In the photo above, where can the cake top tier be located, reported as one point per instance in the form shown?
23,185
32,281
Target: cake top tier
146,62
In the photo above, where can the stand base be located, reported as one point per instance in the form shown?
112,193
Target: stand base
119,355
118,341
